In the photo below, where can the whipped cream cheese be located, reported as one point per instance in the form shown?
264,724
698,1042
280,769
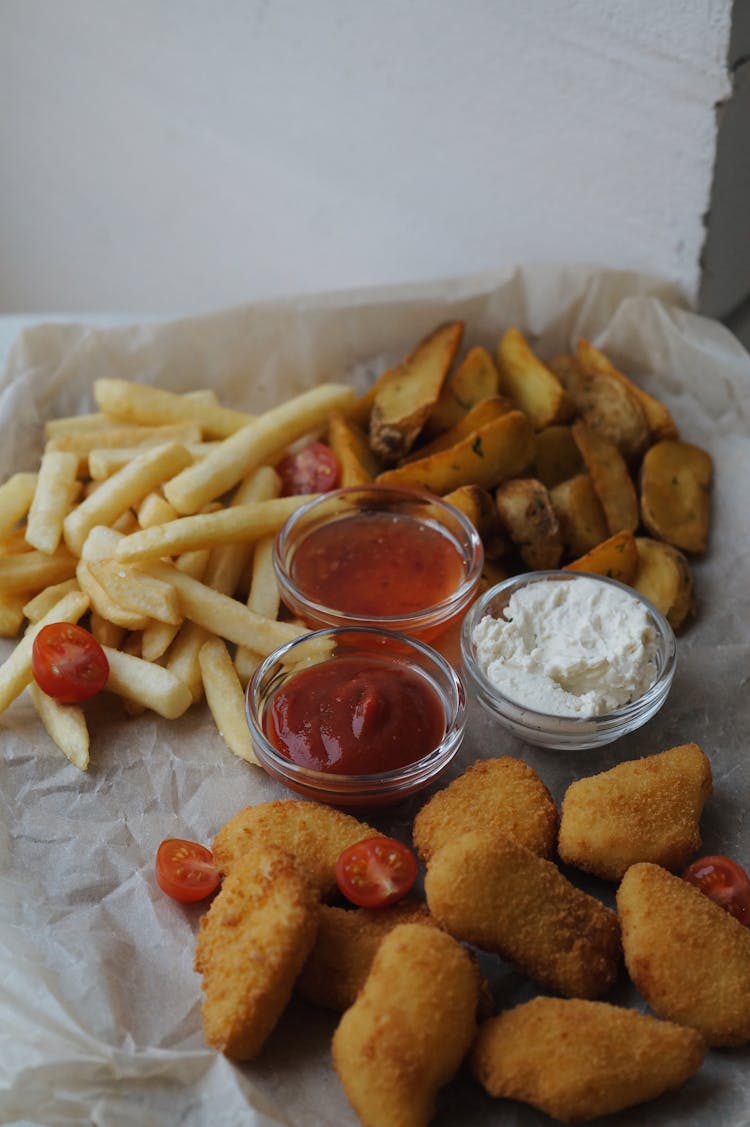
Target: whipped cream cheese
569,648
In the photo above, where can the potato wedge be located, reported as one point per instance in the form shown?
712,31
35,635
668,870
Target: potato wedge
479,506
660,422
476,378
675,493
665,578
359,465
580,514
498,450
405,400
527,513
616,558
610,478
485,411
557,457
607,405
530,383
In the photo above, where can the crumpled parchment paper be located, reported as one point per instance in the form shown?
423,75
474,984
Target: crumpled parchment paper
99,1004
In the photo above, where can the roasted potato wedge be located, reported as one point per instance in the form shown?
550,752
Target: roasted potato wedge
606,404
616,558
527,513
498,450
580,514
404,401
482,412
557,457
476,378
675,487
665,578
359,465
610,478
530,383
660,422
479,506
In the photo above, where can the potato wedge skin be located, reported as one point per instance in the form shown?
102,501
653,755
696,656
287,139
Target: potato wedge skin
659,419
359,465
665,578
536,390
528,515
675,494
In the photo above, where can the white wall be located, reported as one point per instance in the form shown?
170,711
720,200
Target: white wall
176,155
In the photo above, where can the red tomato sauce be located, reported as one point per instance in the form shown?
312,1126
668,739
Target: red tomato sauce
377,564
355,717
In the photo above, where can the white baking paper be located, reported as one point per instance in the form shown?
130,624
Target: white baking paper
99,1004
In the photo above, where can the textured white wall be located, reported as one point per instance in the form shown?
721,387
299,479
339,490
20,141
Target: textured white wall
171,155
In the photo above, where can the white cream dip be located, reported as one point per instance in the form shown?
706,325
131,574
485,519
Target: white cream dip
569,648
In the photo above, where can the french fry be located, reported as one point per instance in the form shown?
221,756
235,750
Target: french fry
124,489
38,606
15,542
83,444
528,381
155,509
498,450
11,614
16,495
139,403
675,486
65,724
228,562
610,478
76,424
580,514
235,525
664,577
147,684
246,661
102,463
55,489
106,633
659,419
183,658
31,571
616,558
476,378
225,698
257,443
15,672
359,464
527,513
264,597
104,604
136,591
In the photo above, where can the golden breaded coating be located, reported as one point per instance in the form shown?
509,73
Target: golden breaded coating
409,1029
346,944
489,891
312,833
503,795
251,946
576,1060
644,810
689,958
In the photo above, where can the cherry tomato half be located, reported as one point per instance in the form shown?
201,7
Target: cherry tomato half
313,469
724,882
185,870
68,663
376,872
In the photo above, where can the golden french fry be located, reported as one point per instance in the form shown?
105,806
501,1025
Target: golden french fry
31,571
616,558
106,633
155,509
136,591
246,661
144,437
183,658
101,543
65,724
55,489
228,562
258,442
11,614
532,385
264,597
76,424
104,604
124,489
16,495
15,542
237,524
225,698
138,403
38,606
147,684
15,672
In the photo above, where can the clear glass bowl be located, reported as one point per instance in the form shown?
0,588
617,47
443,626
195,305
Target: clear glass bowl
377,789
565,732
342,504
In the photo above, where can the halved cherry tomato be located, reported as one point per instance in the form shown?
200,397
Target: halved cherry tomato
313,469
376,872
68,663
185,870
724,882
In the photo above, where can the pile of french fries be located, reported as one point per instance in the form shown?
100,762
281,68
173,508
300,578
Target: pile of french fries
153,519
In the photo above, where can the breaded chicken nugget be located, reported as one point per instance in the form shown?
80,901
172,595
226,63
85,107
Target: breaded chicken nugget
492,892
576,1060
312,833
689,958
644,810
251,946
503,795
346,944
409,1029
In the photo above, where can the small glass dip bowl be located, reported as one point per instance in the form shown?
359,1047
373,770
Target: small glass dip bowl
349,648
566,732
347,557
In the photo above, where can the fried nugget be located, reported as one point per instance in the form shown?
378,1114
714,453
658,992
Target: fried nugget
503,795
689,958
251,946
346,944
409,1029
645,810
314,834
576,1060
489,891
